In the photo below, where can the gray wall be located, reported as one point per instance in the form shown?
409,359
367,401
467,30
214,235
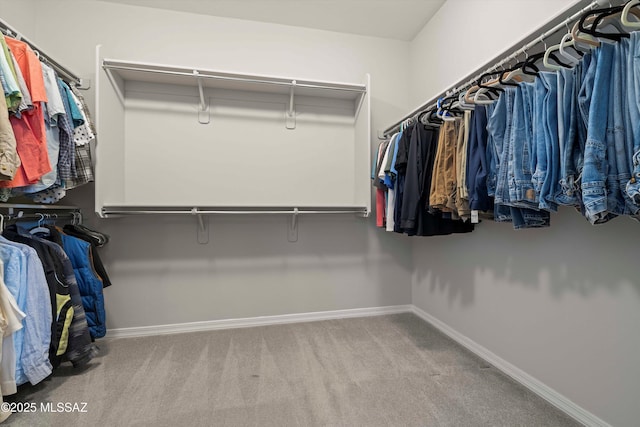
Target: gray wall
161,274
562,304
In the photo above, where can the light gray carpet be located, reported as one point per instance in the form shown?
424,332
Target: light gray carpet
391,370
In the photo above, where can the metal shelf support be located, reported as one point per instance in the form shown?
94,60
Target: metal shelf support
291,113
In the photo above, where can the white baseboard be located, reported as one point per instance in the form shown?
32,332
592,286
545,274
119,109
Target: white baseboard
143,331
558,400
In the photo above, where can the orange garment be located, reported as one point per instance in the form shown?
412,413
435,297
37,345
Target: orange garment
30,131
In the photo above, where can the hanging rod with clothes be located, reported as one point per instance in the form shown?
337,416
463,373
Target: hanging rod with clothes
529,42
64,72
23,212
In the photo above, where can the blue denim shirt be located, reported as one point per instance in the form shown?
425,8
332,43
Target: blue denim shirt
25,279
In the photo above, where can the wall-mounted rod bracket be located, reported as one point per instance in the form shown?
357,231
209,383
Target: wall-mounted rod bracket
203,111
84,84
292,235
291,112
203,227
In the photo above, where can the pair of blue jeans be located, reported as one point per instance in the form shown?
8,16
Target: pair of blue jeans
596,168
632,187
508,129
569,141
546,176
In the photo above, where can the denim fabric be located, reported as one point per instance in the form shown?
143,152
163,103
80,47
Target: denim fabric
632,187
539,155
570,150
521,192
508,125
491,154
529,218
550,180
582,119
618,153
595,169
497,127
478,171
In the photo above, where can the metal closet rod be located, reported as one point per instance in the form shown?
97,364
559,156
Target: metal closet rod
238,79
27,206
63,71
467,81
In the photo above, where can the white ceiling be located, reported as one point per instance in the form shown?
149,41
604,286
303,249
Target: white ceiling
394,19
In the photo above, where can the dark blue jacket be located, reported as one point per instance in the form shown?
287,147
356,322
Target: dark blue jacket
90,285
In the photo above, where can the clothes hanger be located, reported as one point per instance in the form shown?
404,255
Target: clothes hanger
512,73
452,111
487,92
600,14
572,62
615,19
529,67
470,93
451,104
40,228
568,41
464,105
624,16
429,119
583,38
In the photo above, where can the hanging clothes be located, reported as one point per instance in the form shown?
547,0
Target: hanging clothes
70,337
10,322
29,129
90,285
24,277
417,216
45,129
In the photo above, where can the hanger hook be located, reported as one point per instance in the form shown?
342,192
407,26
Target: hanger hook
1,222
40,220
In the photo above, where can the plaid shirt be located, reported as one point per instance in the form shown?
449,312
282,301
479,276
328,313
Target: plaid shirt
84,167
66,158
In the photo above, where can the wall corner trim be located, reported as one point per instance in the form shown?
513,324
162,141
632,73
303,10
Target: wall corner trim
550,395
213,325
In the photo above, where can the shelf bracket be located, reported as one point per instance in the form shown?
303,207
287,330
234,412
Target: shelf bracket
292,235
203,111
291,112
203,227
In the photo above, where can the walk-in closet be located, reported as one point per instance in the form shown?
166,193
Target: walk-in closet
319,213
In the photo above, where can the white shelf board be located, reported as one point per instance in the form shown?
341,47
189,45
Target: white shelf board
184,76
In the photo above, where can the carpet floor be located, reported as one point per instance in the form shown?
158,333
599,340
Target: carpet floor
393,370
